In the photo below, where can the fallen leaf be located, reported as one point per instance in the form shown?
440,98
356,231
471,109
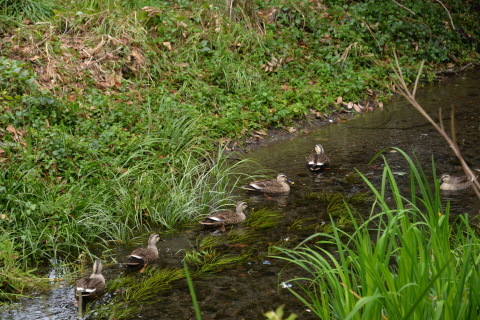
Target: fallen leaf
262,132
168,45
357,108
96,49
350,105
152,11
339,100
138,56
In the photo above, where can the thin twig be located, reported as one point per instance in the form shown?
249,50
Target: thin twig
404,91
401,5
452,124
448,12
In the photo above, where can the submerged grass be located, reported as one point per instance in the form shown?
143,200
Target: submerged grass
407,261
130,292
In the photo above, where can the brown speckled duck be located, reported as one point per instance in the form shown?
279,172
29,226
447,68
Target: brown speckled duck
451,183
226,217
271,186
141,257
92,286
317,160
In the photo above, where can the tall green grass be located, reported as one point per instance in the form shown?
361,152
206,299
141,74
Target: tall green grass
406,261
51,222
14,281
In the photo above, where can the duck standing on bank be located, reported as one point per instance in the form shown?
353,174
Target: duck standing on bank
141,257
318,160
280,185
226,217
92,286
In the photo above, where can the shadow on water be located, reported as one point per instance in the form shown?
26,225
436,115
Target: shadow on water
248,289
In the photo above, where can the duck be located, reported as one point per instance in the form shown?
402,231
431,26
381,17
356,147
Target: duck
226,217
452,183
141,257
317,160
93,285
280,185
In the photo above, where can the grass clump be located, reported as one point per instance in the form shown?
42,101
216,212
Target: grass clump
15,280
263,219
406,261
130,293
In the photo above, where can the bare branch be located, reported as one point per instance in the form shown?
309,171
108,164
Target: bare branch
448,12
401,5
404,91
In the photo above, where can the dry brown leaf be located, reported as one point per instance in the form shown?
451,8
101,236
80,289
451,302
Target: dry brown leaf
339,100
138,56
262,132
350,105
168,45
380,105
96,49
152,11
11,129
357,108
17,134
35,58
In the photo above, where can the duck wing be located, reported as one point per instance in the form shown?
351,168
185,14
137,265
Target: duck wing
218,218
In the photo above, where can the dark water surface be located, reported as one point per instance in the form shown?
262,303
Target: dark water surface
250,289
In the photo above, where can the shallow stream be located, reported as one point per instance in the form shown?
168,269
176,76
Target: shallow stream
249,289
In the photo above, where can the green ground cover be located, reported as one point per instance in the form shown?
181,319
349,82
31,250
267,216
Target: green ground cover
112,112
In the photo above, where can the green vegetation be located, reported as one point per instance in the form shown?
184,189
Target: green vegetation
112,112
406,261
13,279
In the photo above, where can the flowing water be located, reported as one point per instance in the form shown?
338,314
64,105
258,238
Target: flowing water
252,288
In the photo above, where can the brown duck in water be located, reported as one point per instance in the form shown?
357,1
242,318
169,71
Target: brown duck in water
141,257
318,160
226,217
92,286
451,183
272,186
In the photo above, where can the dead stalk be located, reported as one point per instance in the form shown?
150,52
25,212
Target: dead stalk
403,89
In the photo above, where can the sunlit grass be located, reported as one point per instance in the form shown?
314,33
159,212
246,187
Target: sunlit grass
402,262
